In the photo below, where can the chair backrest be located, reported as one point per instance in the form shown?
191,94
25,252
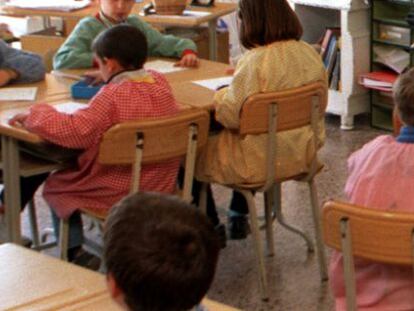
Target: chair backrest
294,108
280,111
372,234
156,140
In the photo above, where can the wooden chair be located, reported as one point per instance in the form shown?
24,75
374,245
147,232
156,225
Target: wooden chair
137,143
376,235
273,113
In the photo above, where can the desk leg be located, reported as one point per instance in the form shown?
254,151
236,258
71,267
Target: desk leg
10,153
212,39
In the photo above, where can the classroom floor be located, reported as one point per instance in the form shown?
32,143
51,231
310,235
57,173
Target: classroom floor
292,273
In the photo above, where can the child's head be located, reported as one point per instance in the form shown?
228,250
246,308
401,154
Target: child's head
267,21
160,253
120,48
117,10
404,97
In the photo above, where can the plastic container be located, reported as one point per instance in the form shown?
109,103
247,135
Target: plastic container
81,90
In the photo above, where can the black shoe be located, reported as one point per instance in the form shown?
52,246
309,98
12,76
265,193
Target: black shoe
221,232
238,227
86,260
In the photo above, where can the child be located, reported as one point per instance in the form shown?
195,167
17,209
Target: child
131,93
160,252
276,60
19,66
76,51
381,176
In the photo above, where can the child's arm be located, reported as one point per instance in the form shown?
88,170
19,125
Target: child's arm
77,131
20,66
164,45
76,50
228,101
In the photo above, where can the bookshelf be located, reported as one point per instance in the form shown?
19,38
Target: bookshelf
353,16
389,29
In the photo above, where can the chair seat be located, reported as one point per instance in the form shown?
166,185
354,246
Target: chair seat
99,214
256,186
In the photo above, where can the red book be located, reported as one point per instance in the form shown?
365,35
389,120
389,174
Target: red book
378,80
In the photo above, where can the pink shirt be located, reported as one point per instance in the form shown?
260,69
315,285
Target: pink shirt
381,176
130,96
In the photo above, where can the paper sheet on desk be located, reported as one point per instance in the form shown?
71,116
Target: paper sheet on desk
213,84
18,93
162,66
57,5
69,107
186,13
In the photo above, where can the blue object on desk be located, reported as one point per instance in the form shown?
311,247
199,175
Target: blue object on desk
82,90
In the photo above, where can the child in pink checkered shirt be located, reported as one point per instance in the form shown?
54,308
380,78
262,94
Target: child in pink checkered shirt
130,93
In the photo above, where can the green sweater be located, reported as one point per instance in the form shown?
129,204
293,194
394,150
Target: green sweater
76,51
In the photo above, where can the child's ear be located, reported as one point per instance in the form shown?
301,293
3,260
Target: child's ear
114,290
112,64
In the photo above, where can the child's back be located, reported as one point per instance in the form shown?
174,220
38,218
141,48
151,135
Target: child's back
381,176
132,95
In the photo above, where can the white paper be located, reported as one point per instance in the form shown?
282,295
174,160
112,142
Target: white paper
213,84
18,93
69,107
195,13
162,66
57,5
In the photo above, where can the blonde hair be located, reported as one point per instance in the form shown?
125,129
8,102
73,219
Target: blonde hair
403,92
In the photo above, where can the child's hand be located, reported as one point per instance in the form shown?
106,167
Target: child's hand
230,71
188,60
93,77
18,119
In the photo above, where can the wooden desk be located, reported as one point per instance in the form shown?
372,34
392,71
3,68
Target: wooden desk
55,90
220,9
33,281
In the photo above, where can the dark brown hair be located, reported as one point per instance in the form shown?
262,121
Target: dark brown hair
161,251
403,91
267,21
126,44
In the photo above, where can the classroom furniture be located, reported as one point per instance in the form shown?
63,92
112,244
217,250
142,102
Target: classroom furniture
376,235
33,281
390,30
71,18
151,141
55,90
271,113
353,18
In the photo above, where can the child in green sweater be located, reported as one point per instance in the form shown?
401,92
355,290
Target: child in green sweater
76,51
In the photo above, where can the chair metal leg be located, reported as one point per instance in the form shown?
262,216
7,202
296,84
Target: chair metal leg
257,243
64,239
279,216
268,196
33,224
320,247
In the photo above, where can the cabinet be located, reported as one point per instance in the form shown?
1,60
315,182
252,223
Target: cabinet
390,31
353,16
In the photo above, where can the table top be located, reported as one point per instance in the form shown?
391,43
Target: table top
219,9
55,90
33,281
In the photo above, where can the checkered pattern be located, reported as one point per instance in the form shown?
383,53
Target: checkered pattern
92,184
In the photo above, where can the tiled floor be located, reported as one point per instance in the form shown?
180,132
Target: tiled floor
292,273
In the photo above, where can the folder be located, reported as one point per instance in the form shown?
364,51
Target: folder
378,80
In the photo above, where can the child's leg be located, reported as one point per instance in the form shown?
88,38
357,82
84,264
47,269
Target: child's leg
28,186
75,232
237,221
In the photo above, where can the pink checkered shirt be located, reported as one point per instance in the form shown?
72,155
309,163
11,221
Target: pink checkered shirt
130,96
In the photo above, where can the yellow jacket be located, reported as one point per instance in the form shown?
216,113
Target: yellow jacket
230,158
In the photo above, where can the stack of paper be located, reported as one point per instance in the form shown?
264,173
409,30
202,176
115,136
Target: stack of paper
18,93
378,80
56,5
